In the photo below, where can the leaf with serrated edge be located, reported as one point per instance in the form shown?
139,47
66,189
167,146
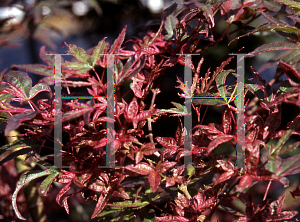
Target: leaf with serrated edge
170,25
99,49
220,80
40,87
20,80
45,185
79,53
25,178
118,42
273,47
141,168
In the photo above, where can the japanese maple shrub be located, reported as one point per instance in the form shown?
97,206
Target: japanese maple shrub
150,181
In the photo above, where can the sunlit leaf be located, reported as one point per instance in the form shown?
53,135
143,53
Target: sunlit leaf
25,178
116,46
170,25
40,87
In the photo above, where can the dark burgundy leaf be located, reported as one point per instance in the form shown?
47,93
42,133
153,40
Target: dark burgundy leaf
63,191
245,182
13,122
163,167
141,168
227,121
132,109
291,73
217,141
167,142
223,177
102,200
296,192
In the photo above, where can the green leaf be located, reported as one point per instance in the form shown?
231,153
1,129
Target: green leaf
78,66
108,210
20,80
285,87
36,69
128,203
20,143
282,141
290,3
220,81
16,154
45,185
273,47
208,99
170,25
79,53
99,49
256,91
39,88
25,178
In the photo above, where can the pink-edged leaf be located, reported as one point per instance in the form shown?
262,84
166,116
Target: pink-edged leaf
46,58
38,69
227,121
65,204
25,178
20,80
132,109
63,191
167,142
290,166
40,87
13,122
145,114
99,49
141,168
170,181
226,165
45,185
75,114
208,203
121,193
154,180
102,200
148,149
245,182
116,46
273,47
285,215
223,177
180,132
78,53
198,200
182,201
217,141
164,166
291,73
276,205
138,157
172,218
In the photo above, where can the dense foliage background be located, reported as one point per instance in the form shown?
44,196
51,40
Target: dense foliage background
151,183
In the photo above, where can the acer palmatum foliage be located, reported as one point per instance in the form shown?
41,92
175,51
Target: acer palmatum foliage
150,181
